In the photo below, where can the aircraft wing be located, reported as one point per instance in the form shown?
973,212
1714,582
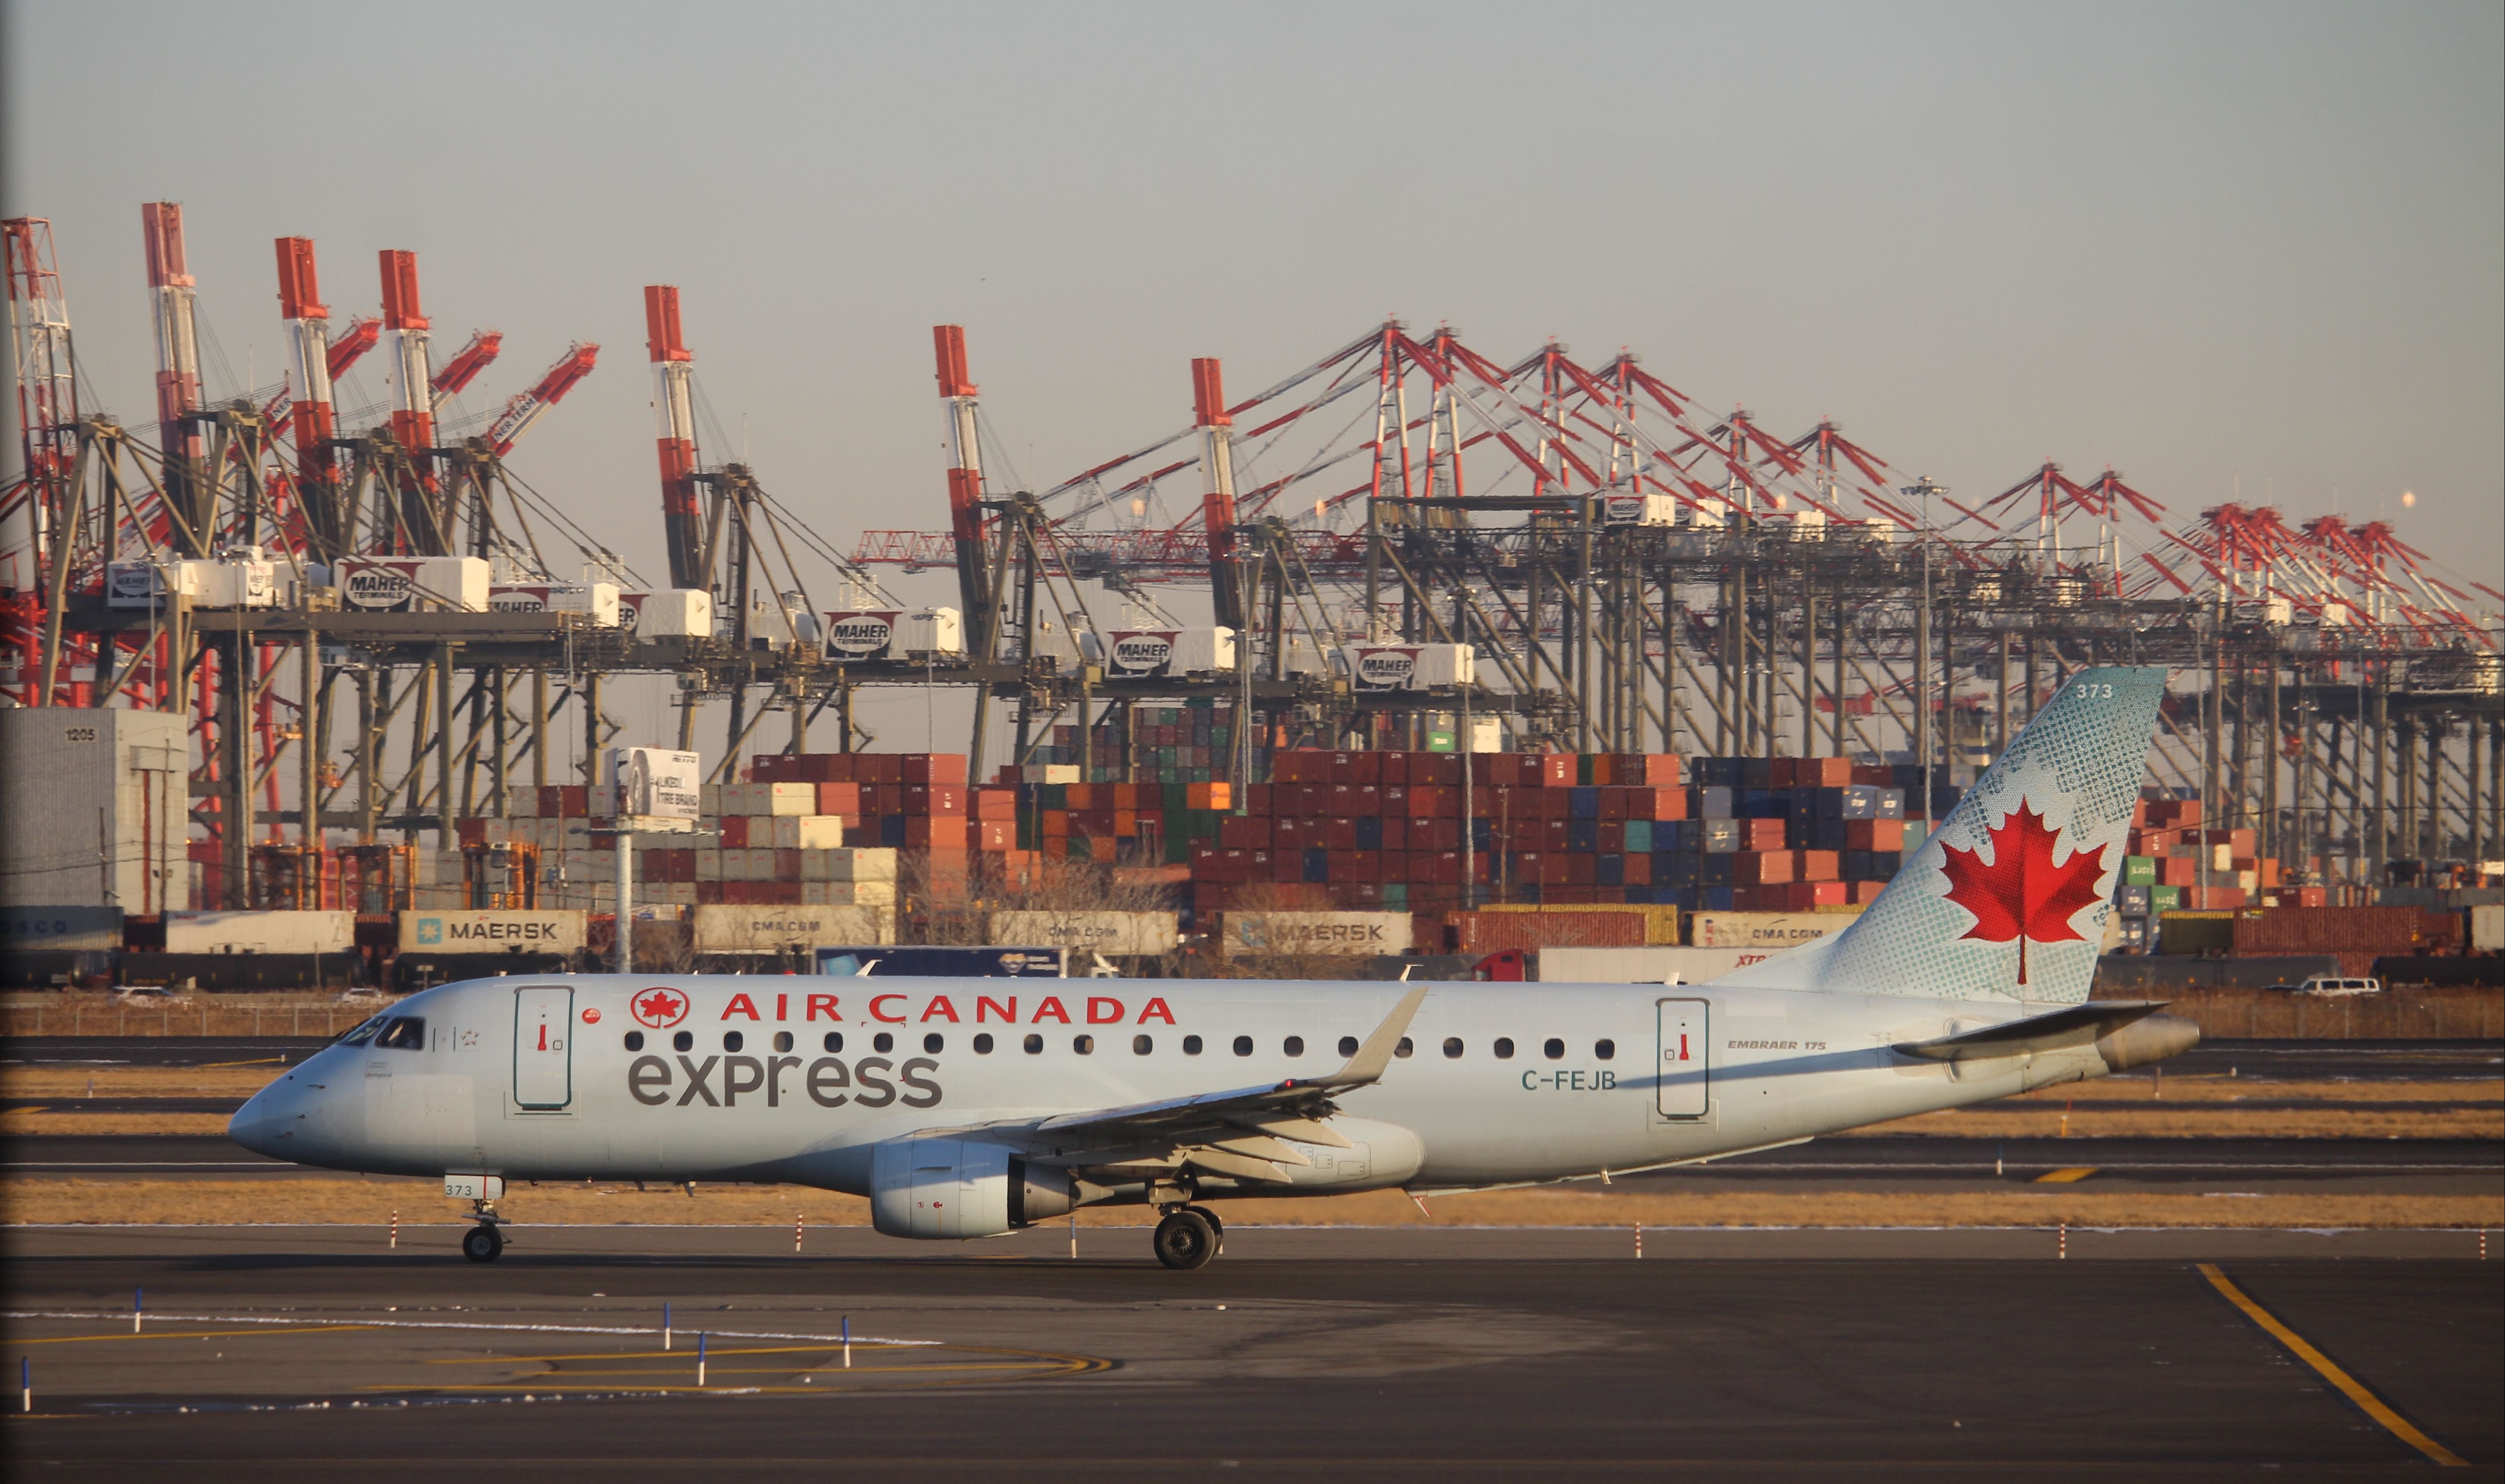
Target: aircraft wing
2071,1026
1240,1132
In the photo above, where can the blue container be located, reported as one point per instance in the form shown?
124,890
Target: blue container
1714,870
1713,898
1891,803
1369,833
1582,804
1583,835
1674,869
1318,865
1713,801
891,832
1721,836
1609,870
1858,865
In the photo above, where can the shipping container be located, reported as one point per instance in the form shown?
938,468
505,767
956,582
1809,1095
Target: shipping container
1764,930
299,933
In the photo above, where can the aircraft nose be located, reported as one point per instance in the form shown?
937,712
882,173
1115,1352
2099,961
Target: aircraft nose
254,1125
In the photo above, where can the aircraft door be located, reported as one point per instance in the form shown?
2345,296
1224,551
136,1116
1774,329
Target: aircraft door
1684,1068
542,1046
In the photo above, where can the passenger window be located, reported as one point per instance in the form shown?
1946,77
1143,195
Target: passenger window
363,1032
634,1041
1034,1046
684,1041
882,1041
834,1041
1296,1045
933,1042
1553,1048
1243,1045
1505,1048
1191,1045
782,1041
1141,1045
1407,1047
1348,1045
1453,1046
1604,1049
1084,1045
732,1041
404,1033
983,1044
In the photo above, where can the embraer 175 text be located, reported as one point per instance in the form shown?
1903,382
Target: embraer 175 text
969,1107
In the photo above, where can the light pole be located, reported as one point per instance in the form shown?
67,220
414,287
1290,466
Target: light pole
1921,491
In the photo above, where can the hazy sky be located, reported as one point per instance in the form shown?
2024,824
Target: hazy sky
2202,243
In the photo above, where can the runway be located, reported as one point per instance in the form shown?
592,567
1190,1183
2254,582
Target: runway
1862,1162
1307,1354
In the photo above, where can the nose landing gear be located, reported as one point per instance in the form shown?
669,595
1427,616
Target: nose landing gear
483,1243
1188,1238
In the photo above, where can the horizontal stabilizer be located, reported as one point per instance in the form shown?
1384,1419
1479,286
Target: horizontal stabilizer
2073,1026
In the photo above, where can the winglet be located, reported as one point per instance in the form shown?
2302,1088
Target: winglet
1368,1065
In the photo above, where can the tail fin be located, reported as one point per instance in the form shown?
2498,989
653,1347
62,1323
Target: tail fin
2007,899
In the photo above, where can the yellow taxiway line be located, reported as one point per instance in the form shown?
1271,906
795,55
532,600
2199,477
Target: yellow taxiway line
2349,1386
2065,1177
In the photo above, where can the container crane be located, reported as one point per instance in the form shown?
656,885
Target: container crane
527,407
1217,505
310,358
465,365
674,402
964,474
189,491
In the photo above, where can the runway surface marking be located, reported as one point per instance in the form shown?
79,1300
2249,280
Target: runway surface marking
2069,1177
311,1325
2349,1386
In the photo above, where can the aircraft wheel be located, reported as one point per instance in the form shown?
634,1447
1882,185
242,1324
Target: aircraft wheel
1185,1240
482,1243
1216,1226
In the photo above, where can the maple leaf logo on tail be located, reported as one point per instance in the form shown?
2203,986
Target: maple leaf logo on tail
2022,892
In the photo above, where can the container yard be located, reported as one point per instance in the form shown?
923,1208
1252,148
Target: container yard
1541,655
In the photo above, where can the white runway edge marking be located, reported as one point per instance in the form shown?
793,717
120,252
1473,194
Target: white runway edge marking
164,1317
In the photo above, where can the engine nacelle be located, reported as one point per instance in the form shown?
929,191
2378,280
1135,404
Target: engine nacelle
960,1188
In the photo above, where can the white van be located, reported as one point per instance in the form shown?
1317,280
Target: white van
2331,984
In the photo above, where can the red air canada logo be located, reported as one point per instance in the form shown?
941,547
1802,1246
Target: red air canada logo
2021,893
660,1009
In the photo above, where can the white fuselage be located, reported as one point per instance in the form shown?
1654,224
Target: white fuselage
796,1078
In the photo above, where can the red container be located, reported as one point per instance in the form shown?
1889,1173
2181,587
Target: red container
932,768
995,834
946,831
1761,868
1874,835
934,799
1819,865
1556,770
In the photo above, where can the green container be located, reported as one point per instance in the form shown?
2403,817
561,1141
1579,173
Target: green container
1438,740
2165,899
1639,836
1396,896
2139,871
1583,769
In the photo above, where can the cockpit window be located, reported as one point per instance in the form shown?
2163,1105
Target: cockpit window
363,1032
402,1033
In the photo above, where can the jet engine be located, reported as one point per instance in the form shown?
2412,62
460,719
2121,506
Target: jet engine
961,1187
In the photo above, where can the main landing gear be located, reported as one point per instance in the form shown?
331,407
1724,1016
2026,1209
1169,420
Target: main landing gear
483,1243
1188,1237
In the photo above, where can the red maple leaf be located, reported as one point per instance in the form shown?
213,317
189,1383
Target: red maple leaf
2021,893
659,1006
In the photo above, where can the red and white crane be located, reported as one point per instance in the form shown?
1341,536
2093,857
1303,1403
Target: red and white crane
465,364
674,403
412,422
1218,505
527,407
958,404
309,358
170,292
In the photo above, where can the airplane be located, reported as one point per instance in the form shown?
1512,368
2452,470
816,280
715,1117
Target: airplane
966,1108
